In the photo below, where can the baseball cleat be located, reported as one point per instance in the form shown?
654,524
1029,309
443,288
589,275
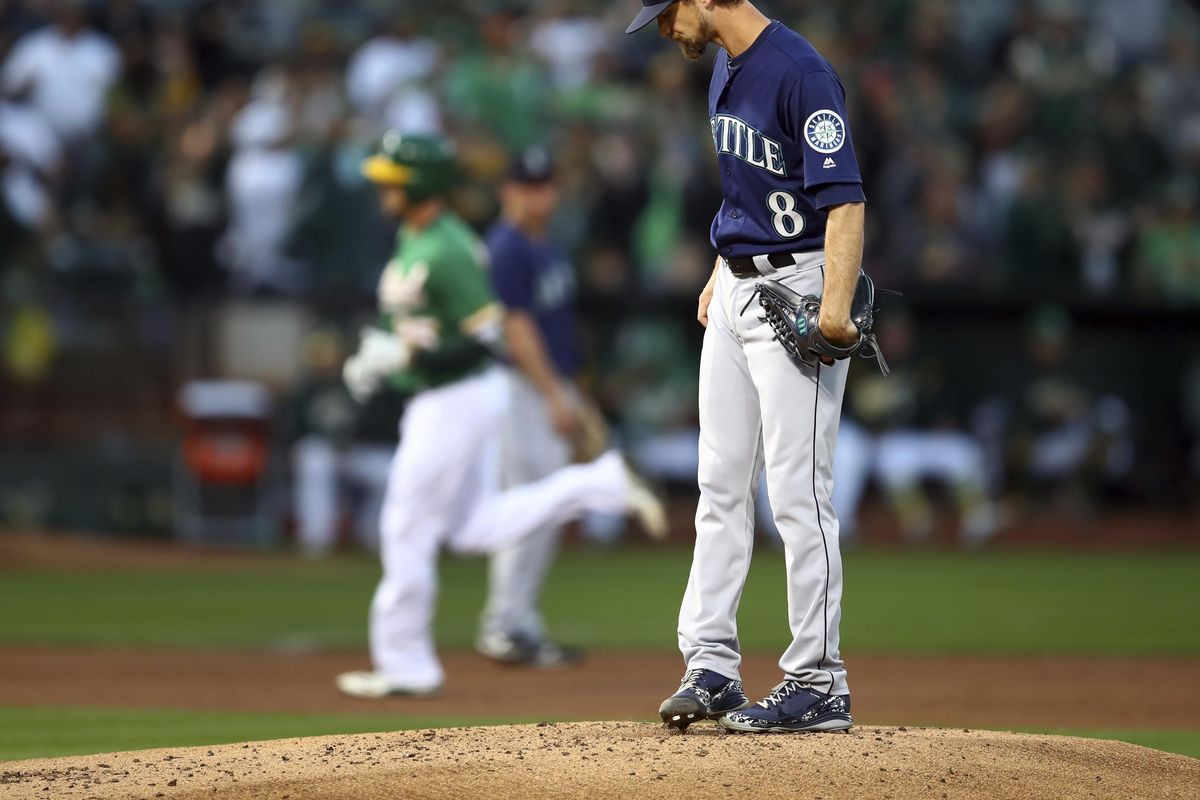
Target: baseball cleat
792,707
703,694
527,651
376,685
645,506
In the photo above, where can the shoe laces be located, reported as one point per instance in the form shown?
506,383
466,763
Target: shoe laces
781,693
694,679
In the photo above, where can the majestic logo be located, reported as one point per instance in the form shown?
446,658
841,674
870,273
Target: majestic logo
830,163
825,132
734,137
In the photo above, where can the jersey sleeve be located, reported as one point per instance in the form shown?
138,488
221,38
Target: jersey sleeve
512,273
816,115
459,287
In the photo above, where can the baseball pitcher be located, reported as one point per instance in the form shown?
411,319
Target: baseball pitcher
783,312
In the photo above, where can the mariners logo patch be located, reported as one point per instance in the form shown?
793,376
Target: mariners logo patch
825,132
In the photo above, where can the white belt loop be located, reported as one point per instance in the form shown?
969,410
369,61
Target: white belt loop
806,261
763,265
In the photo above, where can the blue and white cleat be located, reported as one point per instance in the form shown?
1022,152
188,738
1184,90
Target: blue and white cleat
703,694
792,707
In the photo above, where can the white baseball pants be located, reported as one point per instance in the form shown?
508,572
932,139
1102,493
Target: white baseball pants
444,489
758,408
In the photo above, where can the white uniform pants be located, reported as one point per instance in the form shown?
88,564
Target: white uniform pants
444,489
900,460
532,450
759,408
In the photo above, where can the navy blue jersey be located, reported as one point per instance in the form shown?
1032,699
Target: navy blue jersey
536,277
778,115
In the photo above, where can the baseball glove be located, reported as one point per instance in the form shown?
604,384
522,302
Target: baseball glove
794,319
593,437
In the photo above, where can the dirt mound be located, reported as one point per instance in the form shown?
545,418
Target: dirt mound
621,760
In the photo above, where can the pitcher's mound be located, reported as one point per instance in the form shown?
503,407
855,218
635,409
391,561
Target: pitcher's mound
623,760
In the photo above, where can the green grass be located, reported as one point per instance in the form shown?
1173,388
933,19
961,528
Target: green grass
49,732
926,603
1184,742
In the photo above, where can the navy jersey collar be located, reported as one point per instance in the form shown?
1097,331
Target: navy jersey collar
734,63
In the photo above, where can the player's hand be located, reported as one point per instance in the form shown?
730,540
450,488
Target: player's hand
706,297
379,354
841,333
360,380
564,415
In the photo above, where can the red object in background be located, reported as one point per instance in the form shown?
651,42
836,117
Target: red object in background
226,439
226,451
223,480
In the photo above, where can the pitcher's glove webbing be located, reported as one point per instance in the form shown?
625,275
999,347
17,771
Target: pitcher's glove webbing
794,317
592,437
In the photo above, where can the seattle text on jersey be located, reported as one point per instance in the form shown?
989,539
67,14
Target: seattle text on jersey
733,136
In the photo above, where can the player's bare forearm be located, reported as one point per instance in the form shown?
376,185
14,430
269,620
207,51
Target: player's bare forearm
528,350
529,353
843,261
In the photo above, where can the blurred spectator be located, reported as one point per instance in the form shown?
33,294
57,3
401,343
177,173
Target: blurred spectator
66,69
32,164
497,86
938,234
906,429
1039,248
1168,257
651,386
1046,148
387,80
1066,444
1134,27
263,186
1101,227
570,43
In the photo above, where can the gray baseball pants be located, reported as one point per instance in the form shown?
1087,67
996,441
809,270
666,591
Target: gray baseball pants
758,409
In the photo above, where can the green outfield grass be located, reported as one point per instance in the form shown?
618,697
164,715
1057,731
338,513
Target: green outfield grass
1185,742
49,732
895,602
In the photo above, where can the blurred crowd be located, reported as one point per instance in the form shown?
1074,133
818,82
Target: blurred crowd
1047,143
187,150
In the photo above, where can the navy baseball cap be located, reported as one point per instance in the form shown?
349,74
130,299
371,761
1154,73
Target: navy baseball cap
532,165
650,11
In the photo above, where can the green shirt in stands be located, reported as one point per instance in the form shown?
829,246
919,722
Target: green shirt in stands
435,293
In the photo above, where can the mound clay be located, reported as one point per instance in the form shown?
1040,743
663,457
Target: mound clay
623,760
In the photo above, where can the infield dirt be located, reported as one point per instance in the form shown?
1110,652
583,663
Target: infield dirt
622,760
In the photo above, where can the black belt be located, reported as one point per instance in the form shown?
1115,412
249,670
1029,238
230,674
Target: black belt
744,267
